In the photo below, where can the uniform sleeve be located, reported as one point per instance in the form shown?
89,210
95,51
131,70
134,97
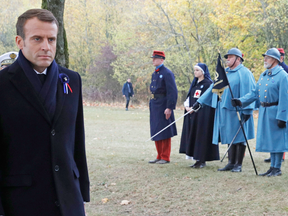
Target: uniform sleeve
80,154
283,100
171,91
250,98
206,98
247,85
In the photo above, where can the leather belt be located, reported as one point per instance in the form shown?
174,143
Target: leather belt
265,104
155,96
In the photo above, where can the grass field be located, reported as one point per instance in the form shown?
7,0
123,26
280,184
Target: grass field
118,166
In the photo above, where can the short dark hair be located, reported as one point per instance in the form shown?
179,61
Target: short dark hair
41,14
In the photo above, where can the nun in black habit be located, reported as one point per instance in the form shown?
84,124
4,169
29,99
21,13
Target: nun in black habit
197,133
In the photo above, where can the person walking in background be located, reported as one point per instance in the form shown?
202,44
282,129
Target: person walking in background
226,122
127,92
162,103
271,96
197,133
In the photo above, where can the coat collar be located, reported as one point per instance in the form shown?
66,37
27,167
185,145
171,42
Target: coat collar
235,69
273,71
23,85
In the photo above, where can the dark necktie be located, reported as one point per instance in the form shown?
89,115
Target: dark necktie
42,78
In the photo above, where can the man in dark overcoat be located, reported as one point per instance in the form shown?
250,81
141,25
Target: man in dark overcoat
127,91
43,169
162,103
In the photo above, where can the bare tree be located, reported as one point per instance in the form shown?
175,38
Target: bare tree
57,8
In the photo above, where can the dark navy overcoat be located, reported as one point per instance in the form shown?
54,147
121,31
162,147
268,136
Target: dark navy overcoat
163,83
42,162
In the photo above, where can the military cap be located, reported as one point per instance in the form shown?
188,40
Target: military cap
8,58
273,52
158,54
281,50
236,52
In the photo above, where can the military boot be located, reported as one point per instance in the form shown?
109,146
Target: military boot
231,158
239,157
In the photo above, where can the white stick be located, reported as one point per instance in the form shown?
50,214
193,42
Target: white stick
169,125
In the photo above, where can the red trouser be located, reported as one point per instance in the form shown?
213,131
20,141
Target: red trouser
164,149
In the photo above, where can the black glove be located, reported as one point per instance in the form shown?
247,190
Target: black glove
245,117
236,102
196,106
281,124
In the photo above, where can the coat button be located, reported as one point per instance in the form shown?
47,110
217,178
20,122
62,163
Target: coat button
266,84
56,168
53,132
57,203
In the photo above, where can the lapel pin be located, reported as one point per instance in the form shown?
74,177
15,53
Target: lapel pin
65,81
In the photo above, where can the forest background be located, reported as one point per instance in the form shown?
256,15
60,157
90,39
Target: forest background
112,40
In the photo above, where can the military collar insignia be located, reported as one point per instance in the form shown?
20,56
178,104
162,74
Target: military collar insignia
157,70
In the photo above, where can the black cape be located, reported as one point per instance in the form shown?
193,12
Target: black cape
197,133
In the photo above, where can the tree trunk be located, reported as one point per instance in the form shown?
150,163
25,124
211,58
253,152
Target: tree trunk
57,8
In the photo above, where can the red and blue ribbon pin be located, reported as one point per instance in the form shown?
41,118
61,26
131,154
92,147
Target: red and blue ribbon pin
65,81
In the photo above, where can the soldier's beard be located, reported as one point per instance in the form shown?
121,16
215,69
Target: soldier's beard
267,66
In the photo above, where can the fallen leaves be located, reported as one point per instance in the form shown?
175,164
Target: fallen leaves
125,202
105,200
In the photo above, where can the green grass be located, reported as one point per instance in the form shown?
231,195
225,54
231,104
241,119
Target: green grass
118,154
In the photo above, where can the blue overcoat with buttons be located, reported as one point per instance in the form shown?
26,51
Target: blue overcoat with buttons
43,169
226,123
162,82
272,86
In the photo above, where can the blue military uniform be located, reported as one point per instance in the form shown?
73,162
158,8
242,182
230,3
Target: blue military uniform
226,122
271,96
163,89
163,101
271,87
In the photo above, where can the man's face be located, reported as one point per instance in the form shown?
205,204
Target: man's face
268,62
39,46
129,80
157,61
231,60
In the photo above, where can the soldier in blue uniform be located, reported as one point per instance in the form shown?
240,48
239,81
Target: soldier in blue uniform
162,103
127,92
271,96
226,122
285,67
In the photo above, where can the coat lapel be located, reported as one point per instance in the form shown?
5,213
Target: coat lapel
60,99
22,84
